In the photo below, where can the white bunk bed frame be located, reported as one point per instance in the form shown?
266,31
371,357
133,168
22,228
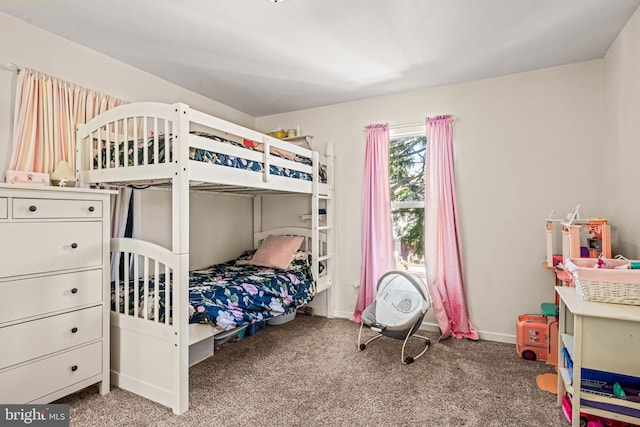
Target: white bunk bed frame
149,357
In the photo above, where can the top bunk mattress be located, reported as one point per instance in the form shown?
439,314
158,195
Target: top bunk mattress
146,150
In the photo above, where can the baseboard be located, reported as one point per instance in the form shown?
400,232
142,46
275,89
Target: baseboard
498,337
483,335
433,327
343,314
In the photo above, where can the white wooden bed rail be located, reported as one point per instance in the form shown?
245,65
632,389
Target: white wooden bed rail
149,141
259,236
149,354
121,129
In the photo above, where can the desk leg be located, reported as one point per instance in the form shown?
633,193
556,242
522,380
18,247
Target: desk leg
562,325
577,370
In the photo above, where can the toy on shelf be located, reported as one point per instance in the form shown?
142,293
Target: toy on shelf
537,335
554,240
585,238
589,420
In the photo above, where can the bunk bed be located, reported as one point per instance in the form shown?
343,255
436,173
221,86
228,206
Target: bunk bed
181,149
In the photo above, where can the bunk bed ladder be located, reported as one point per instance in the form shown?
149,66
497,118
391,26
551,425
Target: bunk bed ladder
323,253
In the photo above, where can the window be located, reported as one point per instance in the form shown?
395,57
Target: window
406,180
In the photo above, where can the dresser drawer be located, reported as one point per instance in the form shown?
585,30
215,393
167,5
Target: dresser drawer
3,207
30,382
55,208
38,247
40,337
38,296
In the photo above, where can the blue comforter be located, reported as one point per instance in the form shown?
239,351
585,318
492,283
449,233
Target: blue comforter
233,293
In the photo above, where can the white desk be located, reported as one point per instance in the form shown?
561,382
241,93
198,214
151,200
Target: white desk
599,336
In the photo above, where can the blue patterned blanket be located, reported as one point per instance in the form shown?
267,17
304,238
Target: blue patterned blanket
201,155
233,293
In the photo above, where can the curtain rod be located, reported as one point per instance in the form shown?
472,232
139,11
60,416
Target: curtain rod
11,66
406,125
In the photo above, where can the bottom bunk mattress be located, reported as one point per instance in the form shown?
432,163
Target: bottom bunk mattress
226,295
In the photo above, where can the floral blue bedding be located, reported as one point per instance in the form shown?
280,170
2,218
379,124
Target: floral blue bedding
207,156
235,293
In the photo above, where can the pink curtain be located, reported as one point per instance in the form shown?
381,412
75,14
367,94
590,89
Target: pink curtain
377,234
47,110
443,255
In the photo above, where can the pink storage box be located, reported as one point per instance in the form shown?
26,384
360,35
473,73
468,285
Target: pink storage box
31,178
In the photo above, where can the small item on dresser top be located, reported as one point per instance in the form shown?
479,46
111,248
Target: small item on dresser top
291,132
30,178
63,176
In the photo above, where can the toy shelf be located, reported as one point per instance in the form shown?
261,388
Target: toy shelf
566,378
568,341
598,337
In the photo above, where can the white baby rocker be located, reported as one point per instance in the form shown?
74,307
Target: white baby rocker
402,301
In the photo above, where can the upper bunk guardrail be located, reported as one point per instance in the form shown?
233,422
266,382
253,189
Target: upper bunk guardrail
129,135
148,134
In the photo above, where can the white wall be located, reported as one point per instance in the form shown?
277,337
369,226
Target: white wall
28,46
524,145
622,142
221,227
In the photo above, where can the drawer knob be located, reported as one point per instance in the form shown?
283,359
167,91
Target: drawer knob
74,368
91,209
74,330
74,245
74,290
33,208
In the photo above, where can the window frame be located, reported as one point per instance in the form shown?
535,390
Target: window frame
402,132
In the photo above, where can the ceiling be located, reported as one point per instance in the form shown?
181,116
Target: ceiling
263,58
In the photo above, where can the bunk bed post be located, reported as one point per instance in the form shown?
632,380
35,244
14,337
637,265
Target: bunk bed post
266,155
257,219
79,156
180,249
315,218
330,223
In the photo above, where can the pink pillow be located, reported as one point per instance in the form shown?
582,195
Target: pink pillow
277,251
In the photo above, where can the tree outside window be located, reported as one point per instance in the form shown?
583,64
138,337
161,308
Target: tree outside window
407,187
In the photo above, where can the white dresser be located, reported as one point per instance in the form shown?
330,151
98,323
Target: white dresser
54,292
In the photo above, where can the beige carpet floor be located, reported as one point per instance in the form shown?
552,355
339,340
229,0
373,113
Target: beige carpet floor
309,373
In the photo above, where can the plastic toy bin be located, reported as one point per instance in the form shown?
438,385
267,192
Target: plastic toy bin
255,327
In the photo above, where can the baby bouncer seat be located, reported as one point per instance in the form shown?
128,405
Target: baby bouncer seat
402,301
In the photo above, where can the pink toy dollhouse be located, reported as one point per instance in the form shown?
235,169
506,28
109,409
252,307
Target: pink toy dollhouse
585,238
